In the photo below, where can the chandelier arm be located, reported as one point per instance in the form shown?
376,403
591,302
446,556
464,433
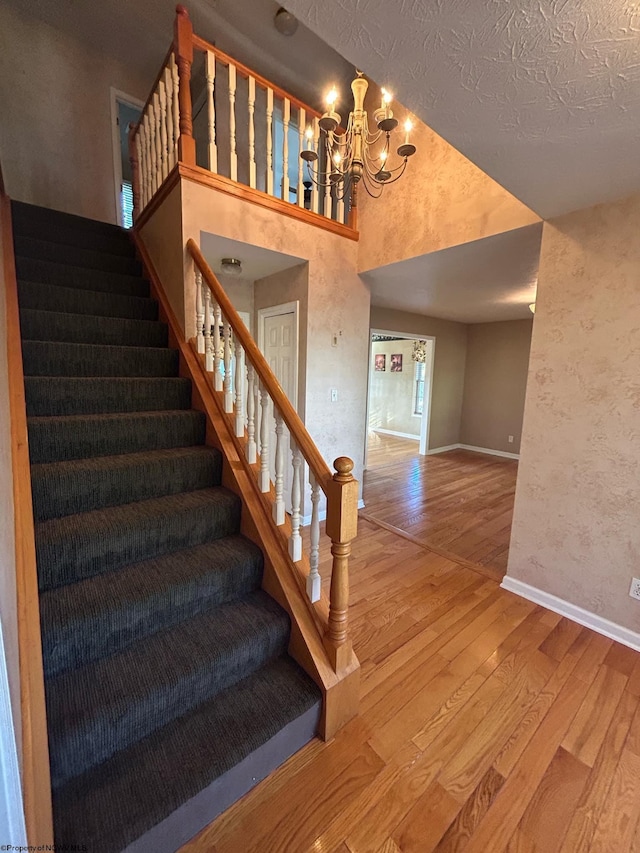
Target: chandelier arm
369,182
397,177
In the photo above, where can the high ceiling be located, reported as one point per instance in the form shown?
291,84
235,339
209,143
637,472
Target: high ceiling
542,95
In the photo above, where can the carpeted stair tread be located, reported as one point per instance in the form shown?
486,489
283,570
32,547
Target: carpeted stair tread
116,242
58,358
72,395
65,488
65,275
117,802
24,214
89,620
54,439
73,300
31,247
75,547
97,710
88,329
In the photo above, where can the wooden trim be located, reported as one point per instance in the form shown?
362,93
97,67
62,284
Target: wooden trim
36,780
280,400
245,71
282,579
172,179
217,182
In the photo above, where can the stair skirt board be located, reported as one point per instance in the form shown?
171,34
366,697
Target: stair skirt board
191,817
140,558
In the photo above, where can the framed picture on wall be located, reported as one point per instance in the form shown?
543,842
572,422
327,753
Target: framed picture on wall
381,361
396,363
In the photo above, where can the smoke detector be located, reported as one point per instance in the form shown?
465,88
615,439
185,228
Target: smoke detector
285,22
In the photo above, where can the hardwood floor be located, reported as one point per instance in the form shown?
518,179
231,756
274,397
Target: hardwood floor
459,502
487,724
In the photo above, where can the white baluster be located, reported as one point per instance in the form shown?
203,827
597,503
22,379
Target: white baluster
286,116
158,139
199,314
208,319
264,480
270,141
315,195
278,504
252,450
327,191
295,540
168,88
147,157
301,129
175,79
228,386
239,401
152,145
217,322
340,210
211,110
252,133
314,581
140,152
163,129
232,122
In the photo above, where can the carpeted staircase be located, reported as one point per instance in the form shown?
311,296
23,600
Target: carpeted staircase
168,683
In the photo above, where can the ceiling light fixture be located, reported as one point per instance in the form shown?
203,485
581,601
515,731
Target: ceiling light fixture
285,22
344,159
532,307
231,266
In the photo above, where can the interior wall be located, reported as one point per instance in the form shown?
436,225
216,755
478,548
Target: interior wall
575,529
8,604
448,367
442,200
495,382
290,285
240,292
55,139
391,392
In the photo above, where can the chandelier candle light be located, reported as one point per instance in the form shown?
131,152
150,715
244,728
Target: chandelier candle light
345,159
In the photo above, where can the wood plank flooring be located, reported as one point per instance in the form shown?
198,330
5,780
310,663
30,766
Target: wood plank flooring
487,724
460,502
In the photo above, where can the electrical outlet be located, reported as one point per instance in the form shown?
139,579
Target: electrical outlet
634,590
510,439
334,399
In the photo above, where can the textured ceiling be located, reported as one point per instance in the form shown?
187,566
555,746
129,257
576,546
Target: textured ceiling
479,282
543,95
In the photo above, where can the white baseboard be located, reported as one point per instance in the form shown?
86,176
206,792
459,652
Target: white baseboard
322,515
474,449
577,614
398,434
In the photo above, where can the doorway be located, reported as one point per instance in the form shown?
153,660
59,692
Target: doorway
125,110
400,388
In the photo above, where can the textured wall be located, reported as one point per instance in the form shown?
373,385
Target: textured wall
448,367
55,133
337,302
391,394
495,383
442,200
8,612
575,530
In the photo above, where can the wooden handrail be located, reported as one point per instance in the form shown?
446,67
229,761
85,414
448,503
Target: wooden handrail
292,419
245,71
36,780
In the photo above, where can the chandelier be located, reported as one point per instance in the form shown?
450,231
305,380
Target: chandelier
357,154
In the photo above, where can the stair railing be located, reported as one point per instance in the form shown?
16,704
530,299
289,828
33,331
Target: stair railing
252,396
254,129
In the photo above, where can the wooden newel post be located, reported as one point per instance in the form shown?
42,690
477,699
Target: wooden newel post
342,528
183,46
135,171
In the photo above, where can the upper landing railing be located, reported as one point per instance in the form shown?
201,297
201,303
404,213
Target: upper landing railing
208,110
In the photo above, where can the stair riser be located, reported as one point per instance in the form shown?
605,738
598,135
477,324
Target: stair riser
45,358
65,554
116,243
49,272
85,329
81,744
47,219
45,297
89,621
57,395
75,257
53,440
57,493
